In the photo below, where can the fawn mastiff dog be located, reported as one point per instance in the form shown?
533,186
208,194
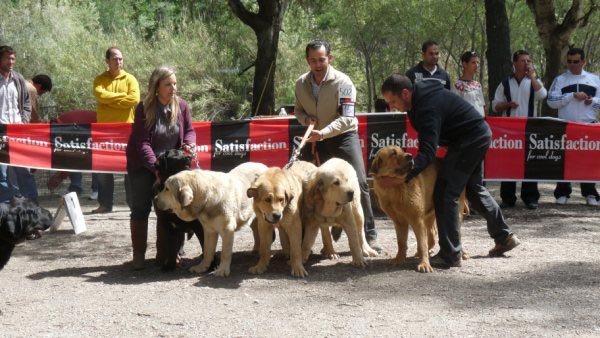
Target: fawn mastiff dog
277,196
218,200
332,198
408,203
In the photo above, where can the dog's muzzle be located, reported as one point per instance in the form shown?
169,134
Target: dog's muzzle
274,218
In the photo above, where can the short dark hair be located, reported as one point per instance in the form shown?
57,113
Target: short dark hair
109,51
316,44
395,83
428,44
44,81
6,49
576,51
519,53
467,56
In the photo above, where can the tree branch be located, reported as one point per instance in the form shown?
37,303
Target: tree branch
247,17
246,69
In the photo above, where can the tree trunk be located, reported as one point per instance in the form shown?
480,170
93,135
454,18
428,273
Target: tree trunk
556,36
266,25
498,50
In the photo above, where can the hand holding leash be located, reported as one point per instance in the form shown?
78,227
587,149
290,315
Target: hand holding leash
305,138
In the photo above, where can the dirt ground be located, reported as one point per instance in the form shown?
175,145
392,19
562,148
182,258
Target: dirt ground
81,286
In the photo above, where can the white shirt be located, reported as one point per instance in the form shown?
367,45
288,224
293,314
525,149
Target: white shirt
470,91
562,97
519,93
9,101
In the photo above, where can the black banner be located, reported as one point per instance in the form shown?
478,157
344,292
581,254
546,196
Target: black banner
230,144
544,155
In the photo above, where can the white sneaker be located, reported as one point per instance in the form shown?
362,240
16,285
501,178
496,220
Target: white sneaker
562,200
591,201
93,195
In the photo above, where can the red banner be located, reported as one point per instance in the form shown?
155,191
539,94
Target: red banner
539,149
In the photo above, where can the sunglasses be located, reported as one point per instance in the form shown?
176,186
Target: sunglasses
573,61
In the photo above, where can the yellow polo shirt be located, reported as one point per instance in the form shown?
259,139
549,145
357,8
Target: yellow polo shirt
116,97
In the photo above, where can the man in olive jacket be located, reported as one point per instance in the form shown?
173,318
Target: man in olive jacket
335,132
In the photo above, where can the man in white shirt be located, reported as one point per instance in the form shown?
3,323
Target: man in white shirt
576,95
517,96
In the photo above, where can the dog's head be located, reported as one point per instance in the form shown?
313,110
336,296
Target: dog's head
330,188
170,163
177,195
271,195
22,219
391,165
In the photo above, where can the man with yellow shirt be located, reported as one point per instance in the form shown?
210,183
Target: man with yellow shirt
117,93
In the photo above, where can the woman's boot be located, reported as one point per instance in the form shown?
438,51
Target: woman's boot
139,236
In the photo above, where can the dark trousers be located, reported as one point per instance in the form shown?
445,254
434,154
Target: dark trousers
462,169
347,147
529,192
138,191
565,189
106,189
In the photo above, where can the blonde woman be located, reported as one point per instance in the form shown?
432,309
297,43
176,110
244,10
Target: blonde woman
162,122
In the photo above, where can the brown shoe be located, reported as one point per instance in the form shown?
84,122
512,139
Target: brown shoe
101,210
509,243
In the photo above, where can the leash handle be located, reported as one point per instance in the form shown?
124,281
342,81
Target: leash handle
310,128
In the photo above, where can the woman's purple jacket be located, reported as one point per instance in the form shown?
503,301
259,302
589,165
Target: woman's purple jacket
139,147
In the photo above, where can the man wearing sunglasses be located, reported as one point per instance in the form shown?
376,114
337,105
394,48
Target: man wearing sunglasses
576,95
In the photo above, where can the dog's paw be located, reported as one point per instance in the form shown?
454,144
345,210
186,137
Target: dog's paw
330,254
361,263
222,272
424,267
200,268
465,255
299,272
368,252
257,269
399,259
305,256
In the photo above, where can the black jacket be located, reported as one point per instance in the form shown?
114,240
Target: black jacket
423,73
441,117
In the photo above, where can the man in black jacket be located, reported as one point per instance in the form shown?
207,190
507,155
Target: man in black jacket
428,68
440,117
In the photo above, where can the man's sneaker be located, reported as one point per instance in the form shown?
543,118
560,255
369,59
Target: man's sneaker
375,245
93,196
562,200
442,263
510,242
591,200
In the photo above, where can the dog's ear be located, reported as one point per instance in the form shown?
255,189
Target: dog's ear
288,198
186,195
314,190
375,165
252,192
